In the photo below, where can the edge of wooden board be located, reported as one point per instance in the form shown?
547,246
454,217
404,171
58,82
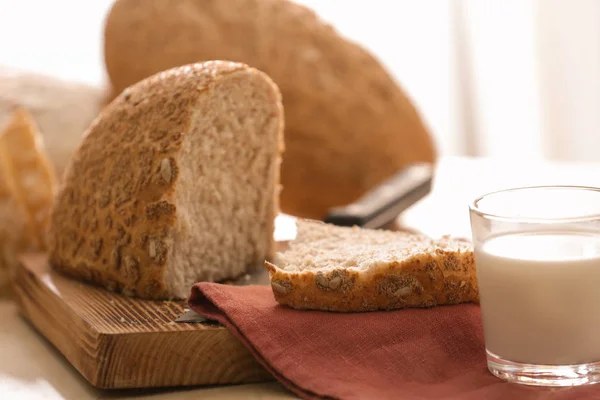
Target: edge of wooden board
117,342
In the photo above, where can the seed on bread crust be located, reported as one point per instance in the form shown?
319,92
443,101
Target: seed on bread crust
115,257
152,249
281,287
96,247
131,268
166,172
335,282
400,286
322,282
451,263
403,291
104,199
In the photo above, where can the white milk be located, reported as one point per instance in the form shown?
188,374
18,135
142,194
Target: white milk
540,297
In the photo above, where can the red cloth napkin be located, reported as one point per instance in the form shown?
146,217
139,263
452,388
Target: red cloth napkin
433,353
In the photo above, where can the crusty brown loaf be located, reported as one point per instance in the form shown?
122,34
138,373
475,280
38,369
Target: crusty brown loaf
133,212
317,272
62,110
27,188
348,124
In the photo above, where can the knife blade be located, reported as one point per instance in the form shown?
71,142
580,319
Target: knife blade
191,316
382,204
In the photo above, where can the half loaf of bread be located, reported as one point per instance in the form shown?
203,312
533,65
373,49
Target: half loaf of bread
352,269
175,182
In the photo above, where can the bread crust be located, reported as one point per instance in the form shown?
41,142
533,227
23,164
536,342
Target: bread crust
114,215
423,280
27,188
33,174
14,232
348,123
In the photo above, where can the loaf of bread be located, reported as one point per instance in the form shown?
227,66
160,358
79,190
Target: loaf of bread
62,110
352,269
348,123
176,182
27,189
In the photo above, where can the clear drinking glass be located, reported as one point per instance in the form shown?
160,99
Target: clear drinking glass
537,251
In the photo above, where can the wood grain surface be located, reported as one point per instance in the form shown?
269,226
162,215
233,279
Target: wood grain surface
120,342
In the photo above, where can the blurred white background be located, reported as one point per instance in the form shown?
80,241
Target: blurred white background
510,78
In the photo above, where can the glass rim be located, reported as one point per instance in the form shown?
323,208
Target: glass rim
473,207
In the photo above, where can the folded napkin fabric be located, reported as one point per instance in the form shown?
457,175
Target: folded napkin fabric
408,354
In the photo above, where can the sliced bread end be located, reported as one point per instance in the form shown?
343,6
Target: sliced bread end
442,273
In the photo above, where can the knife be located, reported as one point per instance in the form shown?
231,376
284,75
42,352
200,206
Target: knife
193,317
261,277
382,204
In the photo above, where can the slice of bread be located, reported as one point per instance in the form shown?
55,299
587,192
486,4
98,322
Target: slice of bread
349,125
176,182
352,269
63,110
27,189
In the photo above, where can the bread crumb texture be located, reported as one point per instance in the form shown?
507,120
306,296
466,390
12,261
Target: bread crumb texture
353,269
139,210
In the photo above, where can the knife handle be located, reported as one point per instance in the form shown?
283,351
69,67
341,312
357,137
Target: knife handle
385,202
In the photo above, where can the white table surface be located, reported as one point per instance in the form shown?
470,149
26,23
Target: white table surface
30,367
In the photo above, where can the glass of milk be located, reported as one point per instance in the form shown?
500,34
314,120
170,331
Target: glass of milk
537,252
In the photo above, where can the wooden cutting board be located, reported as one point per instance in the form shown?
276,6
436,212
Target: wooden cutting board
119,342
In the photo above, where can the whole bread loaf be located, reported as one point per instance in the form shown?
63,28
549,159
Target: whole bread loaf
27,189
62,110
352,269
175,182
348,123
